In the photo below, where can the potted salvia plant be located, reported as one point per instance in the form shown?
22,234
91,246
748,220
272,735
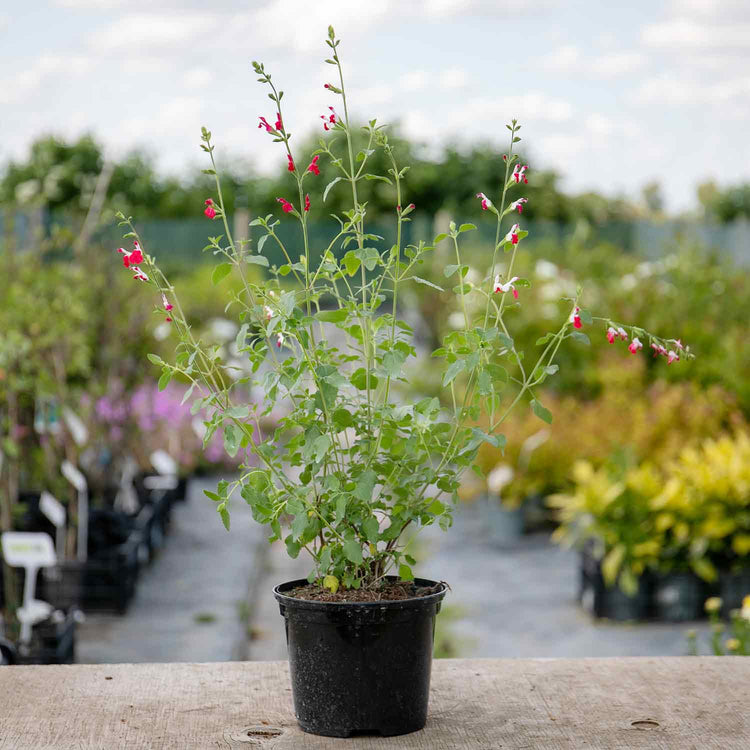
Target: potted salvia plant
355,466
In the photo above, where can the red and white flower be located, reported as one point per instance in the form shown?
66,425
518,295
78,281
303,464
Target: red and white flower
507,286
635,346
138,274
622,333
268,312
167,306
279,340
575,318
329,120
210,210
486,202
611,335
658,350
518,205
519,173
512,235
286,206
672,356
133,258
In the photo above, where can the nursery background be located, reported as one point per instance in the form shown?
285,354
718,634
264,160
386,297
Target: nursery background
632,506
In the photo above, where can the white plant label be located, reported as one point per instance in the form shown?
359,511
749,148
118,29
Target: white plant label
78,430
25,549
163,463
52,508
73,475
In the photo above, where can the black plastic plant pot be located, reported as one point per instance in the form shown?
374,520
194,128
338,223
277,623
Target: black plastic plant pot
679,597
360,667
733,588
611,602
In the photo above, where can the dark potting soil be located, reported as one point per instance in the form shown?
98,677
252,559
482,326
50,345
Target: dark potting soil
388,591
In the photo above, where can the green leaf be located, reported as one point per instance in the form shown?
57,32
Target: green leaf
292,547
359,379
258,260
582,337
299,524
544,414
340,508
436,508
224,513
453,370
392,363
544,339
404,573
351,263
365,484
378,177
466,228
321,446
439,238
166,376
231,439
286,303
342,419
331,583
585,316
353,551
332,316
498,373
329,186
220,272
155,359
427,283
371,529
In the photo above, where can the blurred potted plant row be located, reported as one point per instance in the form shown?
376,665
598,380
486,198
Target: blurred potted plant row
84,429
668,535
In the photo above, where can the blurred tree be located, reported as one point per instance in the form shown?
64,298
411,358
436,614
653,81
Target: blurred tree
725,205
61,176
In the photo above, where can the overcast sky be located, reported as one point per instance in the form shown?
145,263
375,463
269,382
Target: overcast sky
612,95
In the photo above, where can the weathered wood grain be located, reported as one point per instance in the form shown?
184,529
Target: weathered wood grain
690,703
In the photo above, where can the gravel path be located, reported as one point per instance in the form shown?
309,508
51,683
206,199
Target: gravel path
191,602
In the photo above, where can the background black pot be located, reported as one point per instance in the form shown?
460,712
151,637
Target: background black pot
611,602
360,667
733,588
679,597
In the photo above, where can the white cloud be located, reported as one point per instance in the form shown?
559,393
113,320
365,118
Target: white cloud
570,60
46,67
530,106
453,78
731,94
713,9
197,78
152,33
415,80
300,24
682,34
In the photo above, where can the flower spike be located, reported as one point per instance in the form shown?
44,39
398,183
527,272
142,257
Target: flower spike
486,202
512,235
286,206
507,286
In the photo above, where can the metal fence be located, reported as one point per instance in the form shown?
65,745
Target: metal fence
181,241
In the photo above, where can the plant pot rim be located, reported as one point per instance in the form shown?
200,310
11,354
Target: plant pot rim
412,602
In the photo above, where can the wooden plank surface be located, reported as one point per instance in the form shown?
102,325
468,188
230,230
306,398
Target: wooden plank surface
677,703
